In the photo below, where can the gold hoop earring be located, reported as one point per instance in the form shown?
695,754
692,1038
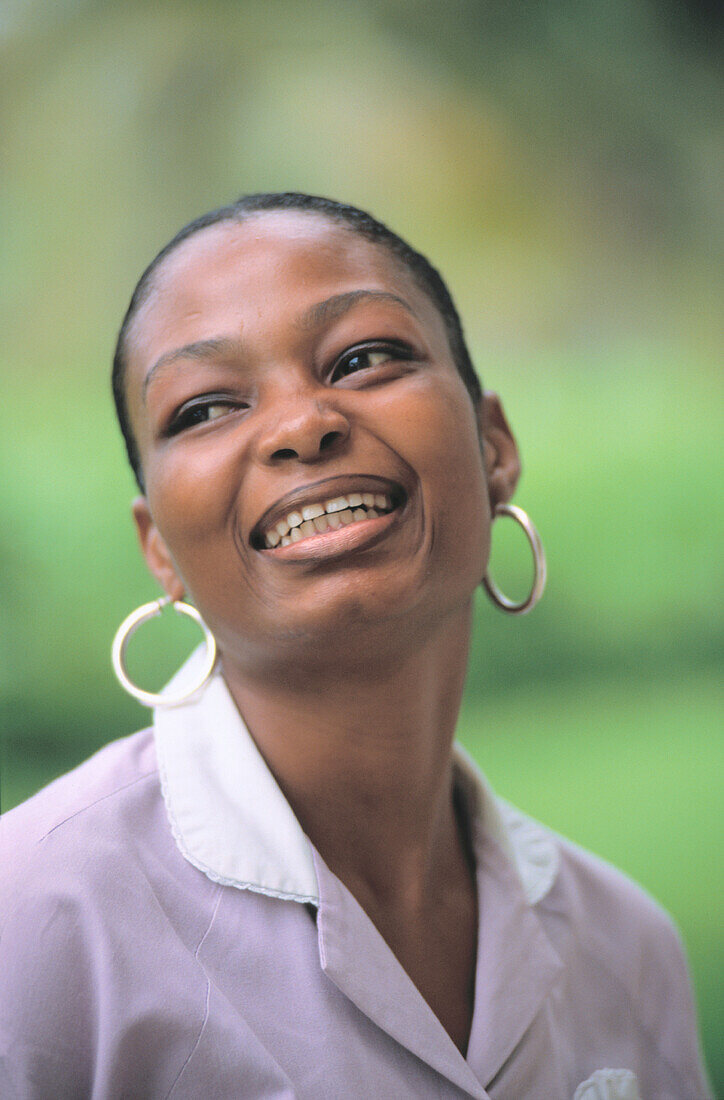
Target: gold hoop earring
126,631
539,564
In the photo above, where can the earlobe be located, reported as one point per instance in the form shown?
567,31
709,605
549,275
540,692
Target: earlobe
155,551
500,452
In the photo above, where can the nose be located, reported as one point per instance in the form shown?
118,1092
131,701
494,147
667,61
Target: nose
302,426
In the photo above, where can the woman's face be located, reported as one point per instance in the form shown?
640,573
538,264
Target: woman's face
285,364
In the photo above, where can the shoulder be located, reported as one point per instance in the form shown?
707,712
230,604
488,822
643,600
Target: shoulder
592,895
617,920
622,950
91,885
113,770
77,818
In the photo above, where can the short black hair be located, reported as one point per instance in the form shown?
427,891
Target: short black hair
358,221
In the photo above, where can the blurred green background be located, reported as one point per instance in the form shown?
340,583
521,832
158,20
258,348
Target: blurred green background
561,162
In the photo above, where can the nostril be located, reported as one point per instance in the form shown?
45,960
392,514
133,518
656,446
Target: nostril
329,440
309,448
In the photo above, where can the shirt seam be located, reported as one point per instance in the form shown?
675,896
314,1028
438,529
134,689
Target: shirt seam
96,802
207,1003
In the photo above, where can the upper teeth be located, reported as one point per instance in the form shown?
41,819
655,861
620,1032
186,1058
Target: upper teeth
314,519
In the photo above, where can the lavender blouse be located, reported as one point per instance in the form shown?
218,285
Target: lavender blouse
167,930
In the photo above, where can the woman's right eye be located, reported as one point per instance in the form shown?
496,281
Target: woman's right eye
201,412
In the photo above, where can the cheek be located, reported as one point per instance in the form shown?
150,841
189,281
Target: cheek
462,500
188,513
437,434
439,422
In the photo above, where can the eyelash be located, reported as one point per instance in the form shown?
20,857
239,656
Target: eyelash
394,351
184,418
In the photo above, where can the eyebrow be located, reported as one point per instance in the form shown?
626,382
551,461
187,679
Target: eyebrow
199,349
339,304
321,313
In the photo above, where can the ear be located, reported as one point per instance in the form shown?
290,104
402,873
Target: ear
500,453
155,551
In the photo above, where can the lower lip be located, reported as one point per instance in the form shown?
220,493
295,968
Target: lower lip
331,544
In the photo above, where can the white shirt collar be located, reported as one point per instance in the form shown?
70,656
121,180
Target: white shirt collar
230,819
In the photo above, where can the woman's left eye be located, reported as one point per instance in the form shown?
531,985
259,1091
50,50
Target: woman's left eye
364,359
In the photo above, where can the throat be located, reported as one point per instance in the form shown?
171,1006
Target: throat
434,934
438,951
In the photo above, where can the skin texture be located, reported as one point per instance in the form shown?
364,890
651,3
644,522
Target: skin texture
346,656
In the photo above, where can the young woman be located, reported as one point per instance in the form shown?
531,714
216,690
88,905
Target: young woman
294,885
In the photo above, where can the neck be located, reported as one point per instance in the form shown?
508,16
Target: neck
365,762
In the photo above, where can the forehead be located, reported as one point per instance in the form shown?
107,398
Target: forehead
290,258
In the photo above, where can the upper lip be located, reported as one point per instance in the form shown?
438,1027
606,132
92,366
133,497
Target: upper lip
317,492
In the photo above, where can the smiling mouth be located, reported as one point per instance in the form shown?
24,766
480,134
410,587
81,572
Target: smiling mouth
309,519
